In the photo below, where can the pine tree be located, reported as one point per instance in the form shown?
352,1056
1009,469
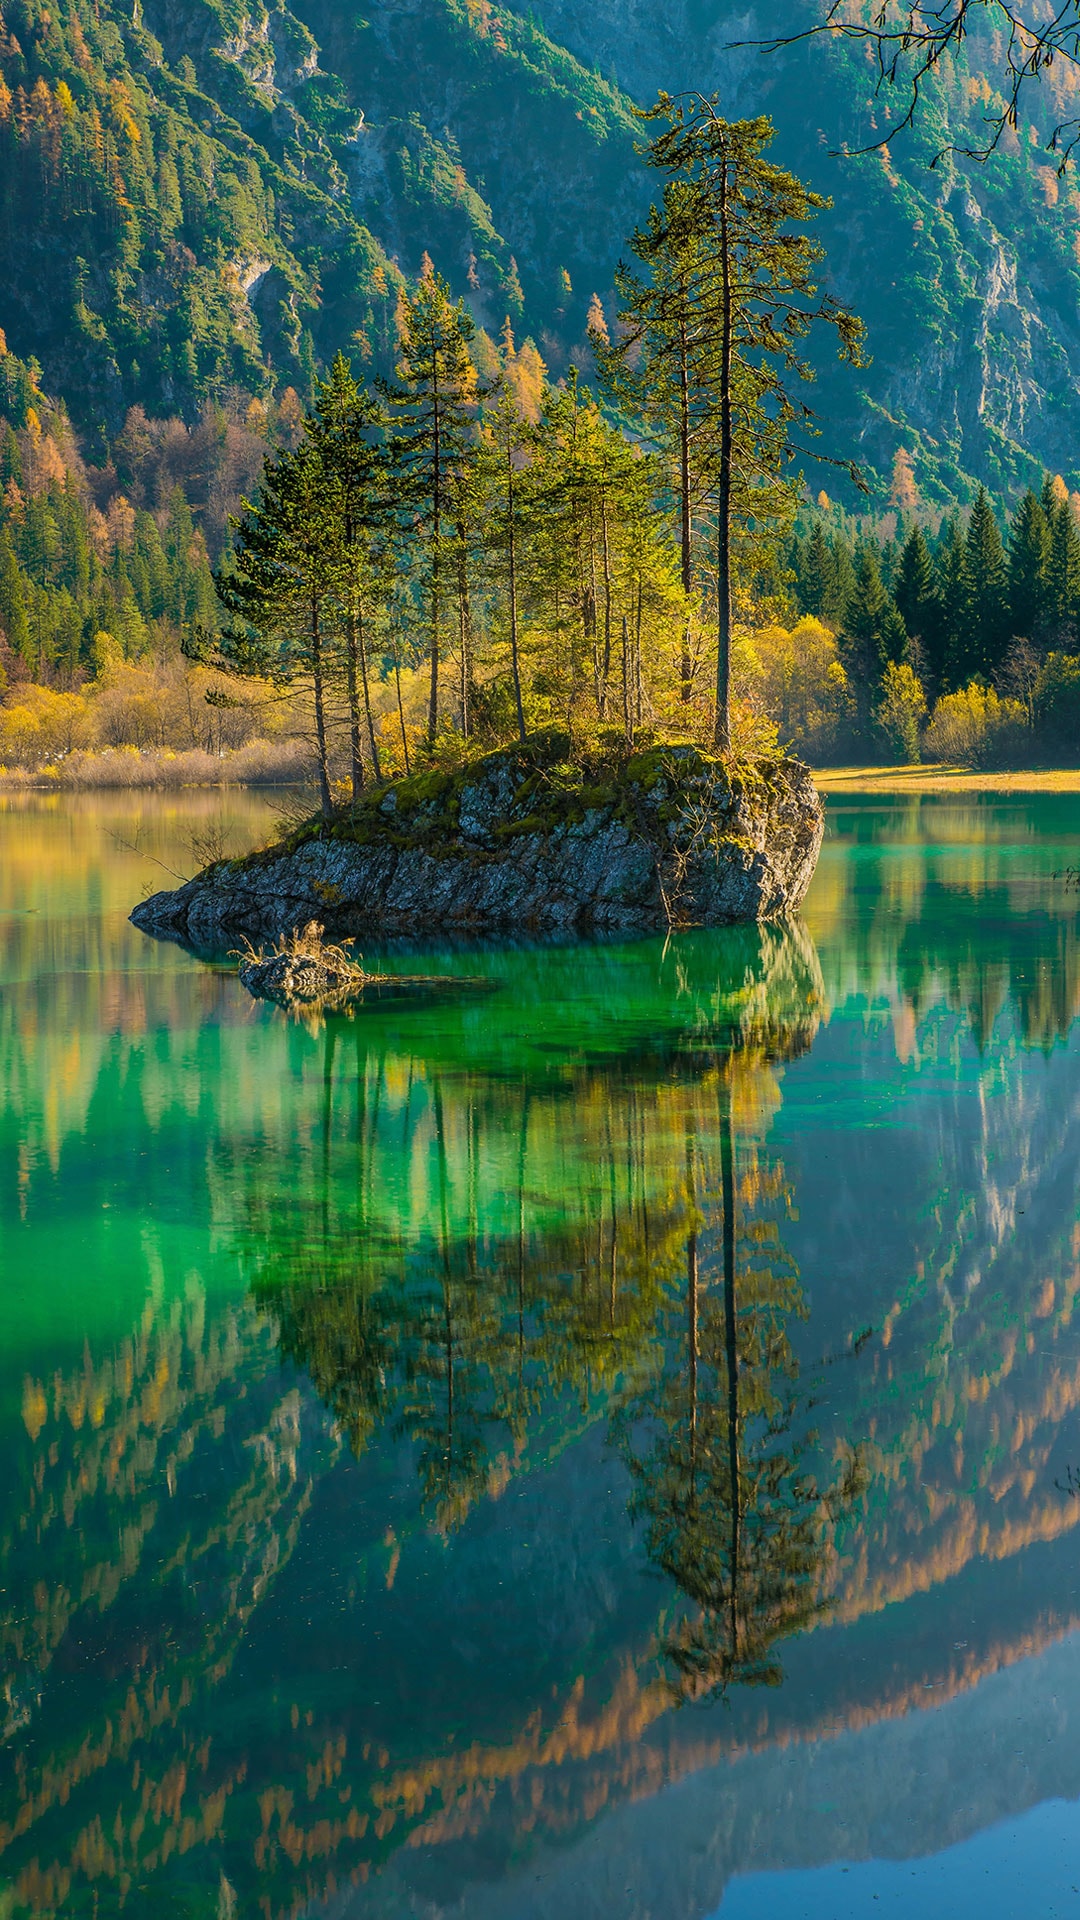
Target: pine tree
817,574
13,616
914,588
843,580
915,592
729,236
1029,562
952,599
342,431
1063,572
873,633
279,589
507,441
433,439
986,591
666,365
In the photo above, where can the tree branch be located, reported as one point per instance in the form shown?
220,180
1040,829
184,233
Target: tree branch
910,40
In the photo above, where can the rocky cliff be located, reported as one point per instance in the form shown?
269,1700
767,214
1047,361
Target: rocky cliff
524,839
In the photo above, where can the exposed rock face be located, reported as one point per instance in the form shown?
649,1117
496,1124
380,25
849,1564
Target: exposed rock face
521,840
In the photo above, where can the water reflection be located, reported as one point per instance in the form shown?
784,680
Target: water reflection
403,1420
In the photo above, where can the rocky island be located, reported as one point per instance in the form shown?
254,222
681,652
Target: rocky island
525,839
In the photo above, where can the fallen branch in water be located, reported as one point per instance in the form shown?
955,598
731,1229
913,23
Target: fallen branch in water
308,975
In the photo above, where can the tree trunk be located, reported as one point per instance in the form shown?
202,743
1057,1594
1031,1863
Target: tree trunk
372,742
606,553
512,548
401,709
731,1345
320,710
436,583
692,1320
686,665
356,756
637,658
722,723
464,625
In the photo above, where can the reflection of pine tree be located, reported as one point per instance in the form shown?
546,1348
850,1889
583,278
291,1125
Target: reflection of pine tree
474,1344
731,1514
443,1411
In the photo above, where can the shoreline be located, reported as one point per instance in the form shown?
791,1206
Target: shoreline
892,781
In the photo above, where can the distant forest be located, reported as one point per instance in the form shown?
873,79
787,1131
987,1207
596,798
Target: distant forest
391,566
855,636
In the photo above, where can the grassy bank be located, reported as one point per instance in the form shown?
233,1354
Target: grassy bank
260,763
924,779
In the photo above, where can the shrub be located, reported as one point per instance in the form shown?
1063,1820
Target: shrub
976,728
40,724
796,677
901,709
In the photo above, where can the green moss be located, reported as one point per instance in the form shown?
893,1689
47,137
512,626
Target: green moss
643,791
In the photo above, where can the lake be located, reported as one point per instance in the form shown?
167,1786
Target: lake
599,1444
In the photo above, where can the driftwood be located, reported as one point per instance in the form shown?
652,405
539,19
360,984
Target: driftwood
306,974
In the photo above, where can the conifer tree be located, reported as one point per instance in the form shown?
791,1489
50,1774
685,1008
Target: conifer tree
279,589
842,585
986,592
507,442
817,574
730,238
1029,561
13,616
341,432
433,439
914,588
666,364
873,634
1063,571
948,663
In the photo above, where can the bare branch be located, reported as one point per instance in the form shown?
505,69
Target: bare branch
911,38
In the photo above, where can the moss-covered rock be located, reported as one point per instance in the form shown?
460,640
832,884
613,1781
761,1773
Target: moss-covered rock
526,838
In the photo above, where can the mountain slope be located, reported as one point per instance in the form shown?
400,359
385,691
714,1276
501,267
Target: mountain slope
189,201
966,274
204,198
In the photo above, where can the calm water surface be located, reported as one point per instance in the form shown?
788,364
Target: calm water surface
601,1447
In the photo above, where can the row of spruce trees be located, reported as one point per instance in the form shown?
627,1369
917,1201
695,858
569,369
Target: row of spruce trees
952,604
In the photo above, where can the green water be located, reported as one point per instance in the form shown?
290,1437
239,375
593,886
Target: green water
607,1444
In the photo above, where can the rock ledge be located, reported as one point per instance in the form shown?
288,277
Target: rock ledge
522,839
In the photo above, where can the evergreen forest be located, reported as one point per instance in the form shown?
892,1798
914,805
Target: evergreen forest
249,218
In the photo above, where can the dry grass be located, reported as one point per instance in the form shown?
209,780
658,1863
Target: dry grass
918,779
305,943
260,763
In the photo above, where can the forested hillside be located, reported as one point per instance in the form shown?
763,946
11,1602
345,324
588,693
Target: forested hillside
967,274
203,201
192,204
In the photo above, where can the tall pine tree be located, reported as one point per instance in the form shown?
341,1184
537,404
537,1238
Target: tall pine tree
1029,567
985,634
915,593
433,439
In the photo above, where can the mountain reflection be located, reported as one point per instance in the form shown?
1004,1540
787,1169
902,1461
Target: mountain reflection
402,1420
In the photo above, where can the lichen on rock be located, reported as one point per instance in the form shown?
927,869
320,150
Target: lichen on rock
526,838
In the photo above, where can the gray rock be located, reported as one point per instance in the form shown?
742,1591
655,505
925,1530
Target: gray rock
298,979
522,841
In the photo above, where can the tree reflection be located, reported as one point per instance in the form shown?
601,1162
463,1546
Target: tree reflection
732,1514
650,1301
